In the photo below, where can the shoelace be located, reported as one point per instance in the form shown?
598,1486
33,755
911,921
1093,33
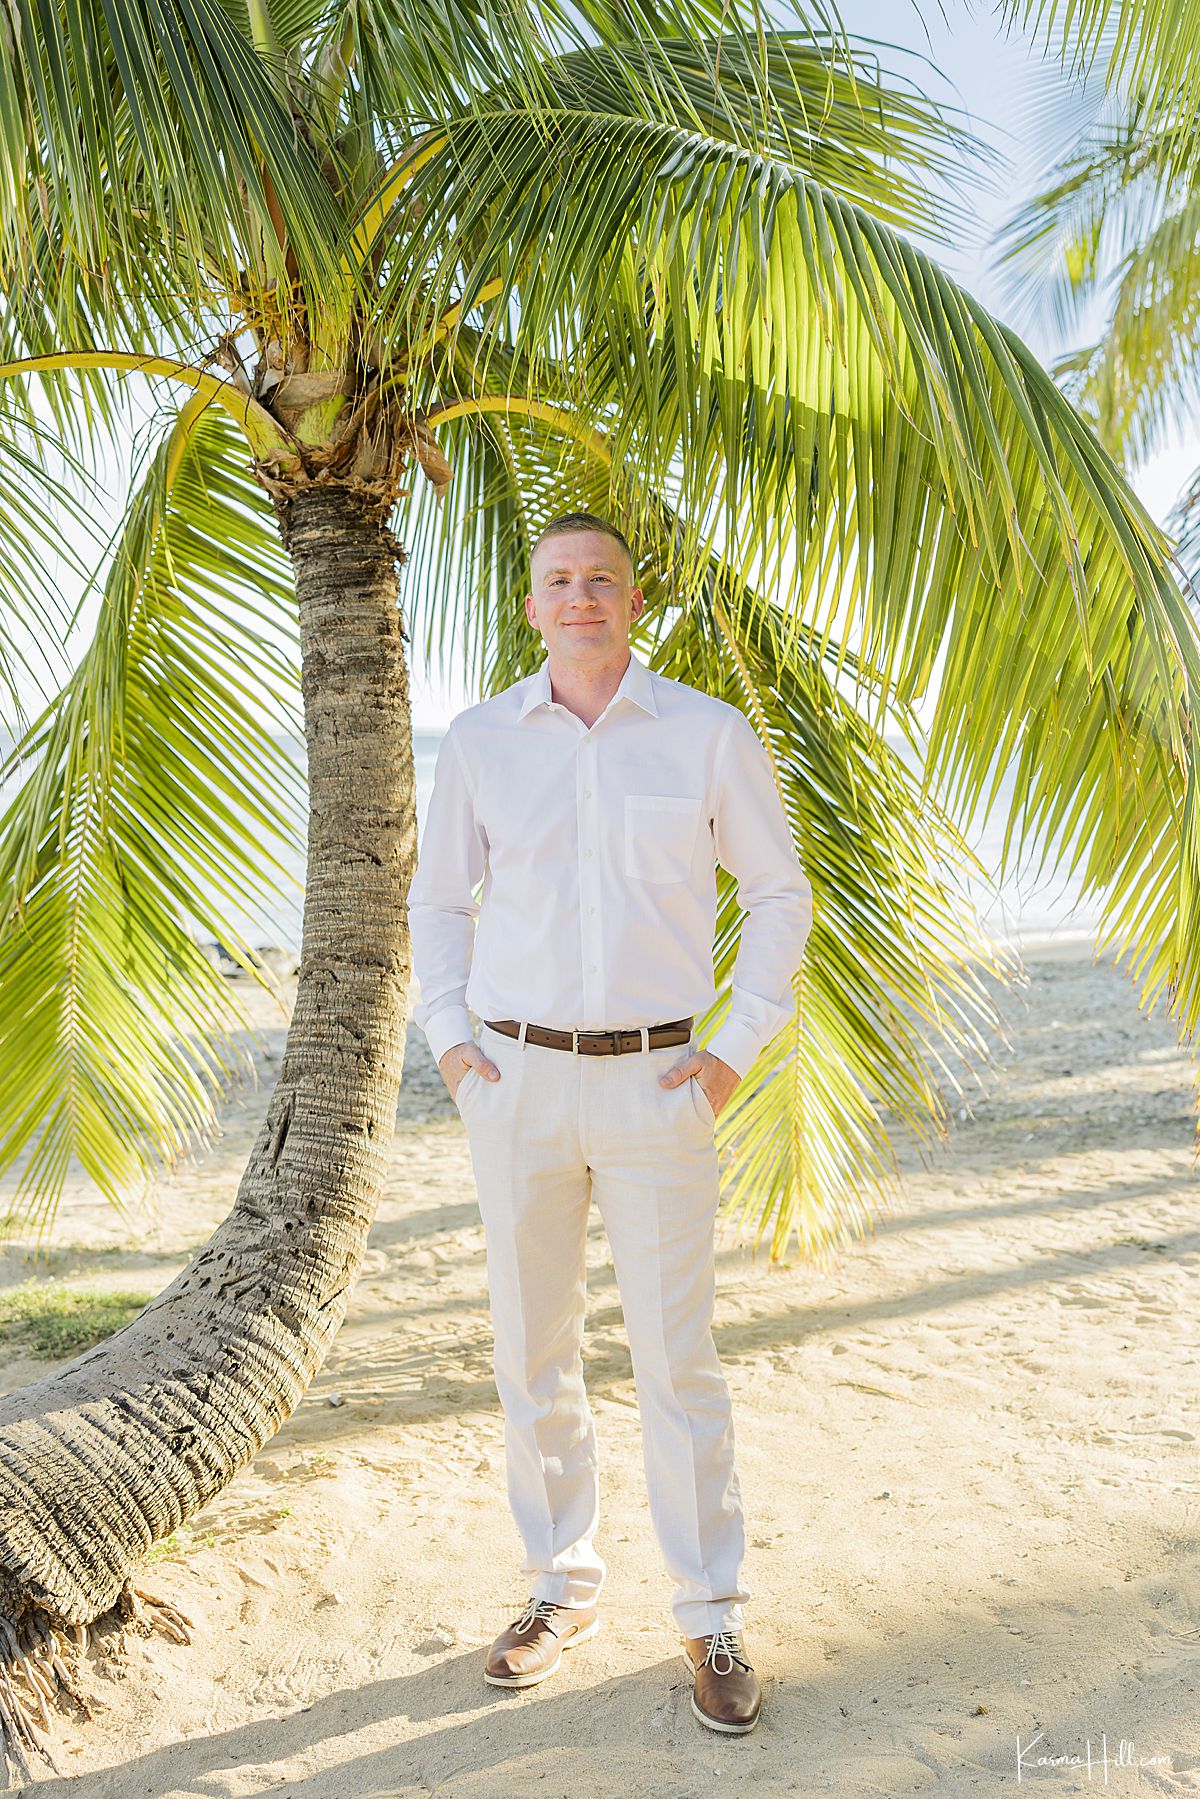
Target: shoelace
724,1643
537,1611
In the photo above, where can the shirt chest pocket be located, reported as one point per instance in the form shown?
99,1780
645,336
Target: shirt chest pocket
660,836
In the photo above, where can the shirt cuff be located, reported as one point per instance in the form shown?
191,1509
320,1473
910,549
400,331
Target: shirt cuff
737,1044
446,1028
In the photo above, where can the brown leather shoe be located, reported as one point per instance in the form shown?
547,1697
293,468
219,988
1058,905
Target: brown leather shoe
531,1648
726,1694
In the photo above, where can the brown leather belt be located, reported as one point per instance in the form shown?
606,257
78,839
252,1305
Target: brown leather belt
596,1043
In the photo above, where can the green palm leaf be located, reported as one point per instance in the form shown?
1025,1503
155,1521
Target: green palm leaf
153,790
1109,221
414,65
34,611
813,1128
735,271
155,124
1146,47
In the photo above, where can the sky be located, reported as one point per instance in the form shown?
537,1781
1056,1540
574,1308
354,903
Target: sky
961,57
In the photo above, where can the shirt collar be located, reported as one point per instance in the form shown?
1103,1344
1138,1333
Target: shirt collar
636,684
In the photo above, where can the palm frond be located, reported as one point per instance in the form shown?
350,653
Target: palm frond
156,124
154,802
1183,524
44,516
1111,224
891,1008
808,99
1146,47
1144,377
1097,200
772,342
411,65
753,293
669,119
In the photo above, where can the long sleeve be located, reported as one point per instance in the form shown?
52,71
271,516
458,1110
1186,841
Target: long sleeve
442,907
754,843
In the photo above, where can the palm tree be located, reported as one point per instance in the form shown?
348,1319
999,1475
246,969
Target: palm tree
646,258
1114,229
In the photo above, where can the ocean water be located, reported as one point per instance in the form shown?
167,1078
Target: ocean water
1026,908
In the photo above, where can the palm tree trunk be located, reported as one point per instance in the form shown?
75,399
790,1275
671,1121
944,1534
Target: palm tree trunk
110,1453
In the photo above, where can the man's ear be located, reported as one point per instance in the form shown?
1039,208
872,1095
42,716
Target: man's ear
637,601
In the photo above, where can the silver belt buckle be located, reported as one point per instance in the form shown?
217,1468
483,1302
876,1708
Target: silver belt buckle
574,1042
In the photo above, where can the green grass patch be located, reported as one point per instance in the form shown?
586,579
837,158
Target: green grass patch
56,1321
178,1546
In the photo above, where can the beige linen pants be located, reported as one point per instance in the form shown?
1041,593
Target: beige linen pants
554,1130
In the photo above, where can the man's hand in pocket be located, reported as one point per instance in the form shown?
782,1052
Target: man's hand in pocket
456,1061
716,1079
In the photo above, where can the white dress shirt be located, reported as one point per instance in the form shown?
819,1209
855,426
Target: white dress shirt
597,851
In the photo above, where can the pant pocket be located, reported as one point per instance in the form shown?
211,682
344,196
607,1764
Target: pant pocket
702,1102
461,1091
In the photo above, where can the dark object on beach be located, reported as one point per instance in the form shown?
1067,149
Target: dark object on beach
267,955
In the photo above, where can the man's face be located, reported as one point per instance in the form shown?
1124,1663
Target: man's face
583,600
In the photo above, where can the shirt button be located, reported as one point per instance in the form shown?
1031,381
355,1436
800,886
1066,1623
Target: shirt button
587,794
591,908
587,852
591,968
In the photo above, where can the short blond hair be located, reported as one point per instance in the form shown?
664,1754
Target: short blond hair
571,522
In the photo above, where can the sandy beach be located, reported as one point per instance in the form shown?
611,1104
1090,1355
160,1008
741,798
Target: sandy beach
967,1453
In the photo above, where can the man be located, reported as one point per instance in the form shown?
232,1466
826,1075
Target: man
593,800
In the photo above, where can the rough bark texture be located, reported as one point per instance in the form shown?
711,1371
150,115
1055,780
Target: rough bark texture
112,1452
